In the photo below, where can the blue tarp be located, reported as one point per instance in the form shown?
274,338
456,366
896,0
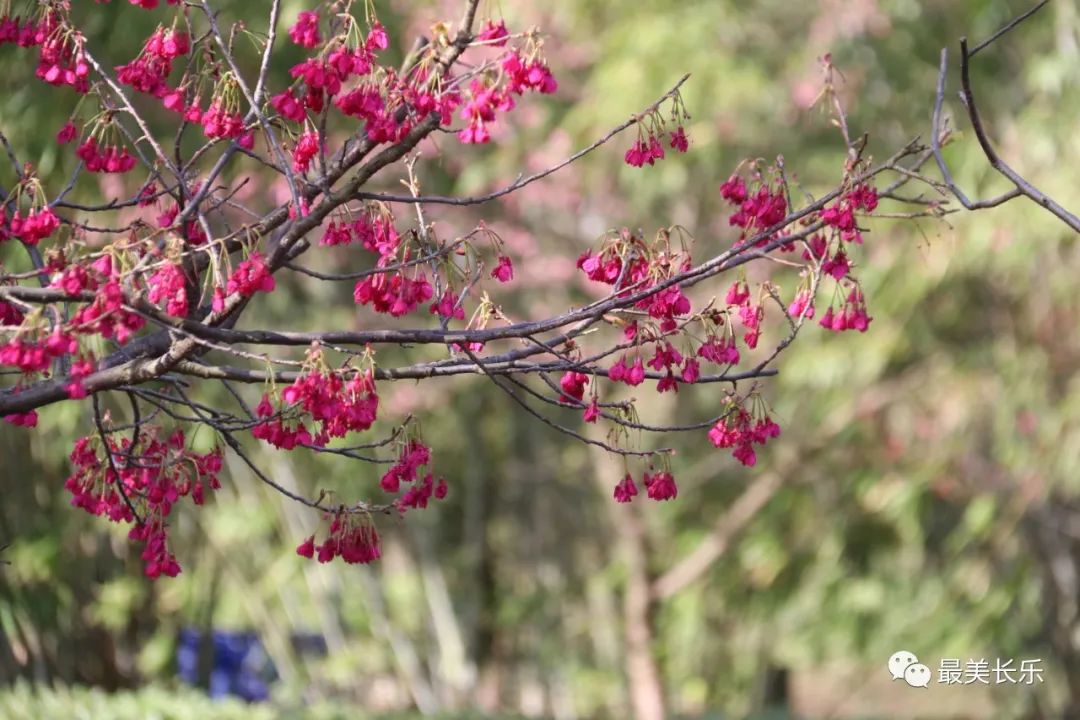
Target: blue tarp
239,667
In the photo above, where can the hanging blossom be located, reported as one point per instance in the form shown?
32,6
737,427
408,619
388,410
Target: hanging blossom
486,97
335,405
152,481
169,285
307,147
323,77
67,133
222,121
106,315
394,295
61,58
624,261
251,276
108,159
350,536
38,224
632,374
412,456
659,486
149,72
740,430
448,306
504,270
653,128
305,31
841,215
573,385
150,4
850,315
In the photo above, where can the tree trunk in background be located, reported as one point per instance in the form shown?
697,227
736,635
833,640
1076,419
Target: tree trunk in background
1051,534
645,687
481,494
642,672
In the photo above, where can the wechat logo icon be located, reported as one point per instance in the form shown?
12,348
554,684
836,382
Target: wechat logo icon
903,665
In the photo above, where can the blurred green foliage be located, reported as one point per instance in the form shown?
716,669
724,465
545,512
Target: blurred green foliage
24,702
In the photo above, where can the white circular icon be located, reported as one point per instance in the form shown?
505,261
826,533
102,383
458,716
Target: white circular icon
899,662
917,675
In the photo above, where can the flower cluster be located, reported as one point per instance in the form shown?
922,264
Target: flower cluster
666,305
24,34
842,215
652,128
61,58
374,230
625,261
110,159
740,430
307,147
573,385
421,492
37,225
479,110
351,536
220,121
251,276
149,72
286,104
646,151
756,211
750,314
35,347
323,77
395,294
73,280
305,32
151,4
168,284
412,456
391,104
664,360
80,369
658,486
192,231
111,481
337,405
607,267
719,350
851,315
27,356
106,315
448,306
486,97
633,375
281,432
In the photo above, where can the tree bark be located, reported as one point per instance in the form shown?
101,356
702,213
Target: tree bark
645,686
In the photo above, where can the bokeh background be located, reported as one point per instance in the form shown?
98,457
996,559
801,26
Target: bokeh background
924,495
